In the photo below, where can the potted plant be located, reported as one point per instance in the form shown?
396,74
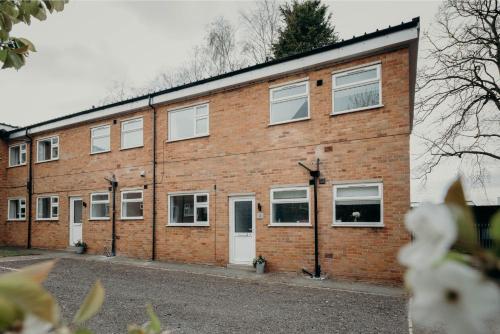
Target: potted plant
259,263
81,247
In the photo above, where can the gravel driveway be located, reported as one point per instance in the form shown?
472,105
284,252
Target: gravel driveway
191,303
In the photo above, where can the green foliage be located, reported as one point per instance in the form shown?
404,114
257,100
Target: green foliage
259,259
14,50
307,26
23,298
495,232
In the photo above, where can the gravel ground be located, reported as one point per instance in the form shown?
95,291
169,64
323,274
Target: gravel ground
190,303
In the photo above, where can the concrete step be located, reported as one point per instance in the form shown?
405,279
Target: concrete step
242,267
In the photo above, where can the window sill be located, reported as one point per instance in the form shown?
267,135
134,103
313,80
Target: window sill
132,218
188,138
94,153
358,225
291,121
188,225
378,106
130,148
44,161
14,166
290,225
47,219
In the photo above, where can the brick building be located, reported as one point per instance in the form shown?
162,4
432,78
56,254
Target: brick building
208,172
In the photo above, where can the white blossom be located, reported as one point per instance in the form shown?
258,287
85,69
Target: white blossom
434,232
453,295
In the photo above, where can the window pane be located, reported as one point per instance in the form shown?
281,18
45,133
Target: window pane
202,215
353,77
132,209
44,207
100,144
182,124
202,126
291,213
55,140
289,194
100,210
55,210
201,198
202,110
132,125
289,110
100,132
15,156
132,139
100,197
289,91
243,216
357,211
44,150
357,191
55,153
356,97
13,209
182,209
132,195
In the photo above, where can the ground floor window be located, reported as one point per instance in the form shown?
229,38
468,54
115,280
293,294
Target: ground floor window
358,204
290,206
99,206
16,209
188,209
132,204
47,207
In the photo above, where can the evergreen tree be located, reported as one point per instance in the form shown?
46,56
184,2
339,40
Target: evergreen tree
307,26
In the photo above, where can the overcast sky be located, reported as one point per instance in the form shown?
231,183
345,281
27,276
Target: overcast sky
91,45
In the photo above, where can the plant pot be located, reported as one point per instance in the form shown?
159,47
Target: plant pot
80,250
260,267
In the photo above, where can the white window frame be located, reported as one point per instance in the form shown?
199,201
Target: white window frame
22,150
299,82
275,201
20,206
357,185
141,200
361,68
196,206
122,132
51,148
195,106
92,137
54,202
92,202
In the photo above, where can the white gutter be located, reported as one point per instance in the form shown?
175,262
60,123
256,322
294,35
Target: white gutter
370,46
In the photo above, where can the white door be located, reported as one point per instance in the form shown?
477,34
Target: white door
242,230
75,220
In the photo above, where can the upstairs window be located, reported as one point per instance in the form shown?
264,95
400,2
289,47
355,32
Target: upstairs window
48,149
16,209
290,102
356,89
47,208
188,122
188,209
290,206
17,155
132,204
100,139
132,133
99,206
357,205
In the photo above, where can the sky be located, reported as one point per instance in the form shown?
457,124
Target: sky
92,45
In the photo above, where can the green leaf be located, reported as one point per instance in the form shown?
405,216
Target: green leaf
458,257
58,4
467,234
154,323
31,46
13,60
5,22
37,273
9,9
3,55
8,314
91,304
30,297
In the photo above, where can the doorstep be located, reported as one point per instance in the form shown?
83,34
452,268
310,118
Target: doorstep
238,272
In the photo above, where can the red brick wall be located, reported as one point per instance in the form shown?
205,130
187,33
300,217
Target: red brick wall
243,154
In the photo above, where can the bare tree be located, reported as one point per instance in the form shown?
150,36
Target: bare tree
261,27
458,92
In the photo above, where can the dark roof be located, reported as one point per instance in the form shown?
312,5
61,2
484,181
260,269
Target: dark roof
355,39
11,126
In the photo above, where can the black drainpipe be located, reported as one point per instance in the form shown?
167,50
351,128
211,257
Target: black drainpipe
29,186
314,182
113,183
153,235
